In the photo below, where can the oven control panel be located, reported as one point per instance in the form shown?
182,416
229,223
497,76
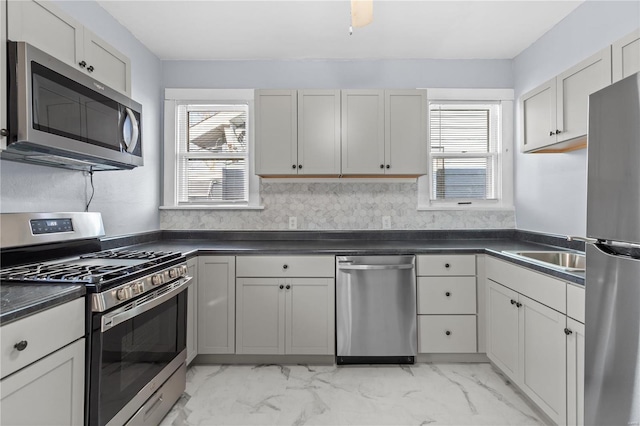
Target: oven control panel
50,226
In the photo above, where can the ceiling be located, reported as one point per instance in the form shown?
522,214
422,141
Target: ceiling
305,29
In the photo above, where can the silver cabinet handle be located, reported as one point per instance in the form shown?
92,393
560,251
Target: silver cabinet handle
583,239
373,267
121,315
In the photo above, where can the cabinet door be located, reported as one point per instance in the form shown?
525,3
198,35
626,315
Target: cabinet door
276,132
318,132
543,357
363,144
106,64
43,25
310,316
3,76
406,132
539,116
216,304
573,89
260,315
502,328
47,392
192,310
575,373
626,56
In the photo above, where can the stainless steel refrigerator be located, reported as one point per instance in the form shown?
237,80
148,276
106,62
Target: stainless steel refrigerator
612,339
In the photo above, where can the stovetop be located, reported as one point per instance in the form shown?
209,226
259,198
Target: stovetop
98,271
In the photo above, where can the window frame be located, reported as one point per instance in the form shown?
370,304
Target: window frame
504,173
177,97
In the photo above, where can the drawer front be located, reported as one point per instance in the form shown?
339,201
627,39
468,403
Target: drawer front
542,288
575,302
443,265
285,266
446,295
44,332
433,337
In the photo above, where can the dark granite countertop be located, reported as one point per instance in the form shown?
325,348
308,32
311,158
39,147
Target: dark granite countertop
21,300
340,247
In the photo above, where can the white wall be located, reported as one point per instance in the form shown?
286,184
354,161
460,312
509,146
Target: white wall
128,200
338,74
551,189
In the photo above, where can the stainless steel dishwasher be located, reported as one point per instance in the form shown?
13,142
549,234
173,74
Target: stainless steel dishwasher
376,310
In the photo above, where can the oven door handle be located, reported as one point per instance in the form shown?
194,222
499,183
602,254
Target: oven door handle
125,313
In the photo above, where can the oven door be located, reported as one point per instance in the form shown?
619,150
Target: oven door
134,350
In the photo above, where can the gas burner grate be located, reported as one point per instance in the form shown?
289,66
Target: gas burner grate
131,254
63,273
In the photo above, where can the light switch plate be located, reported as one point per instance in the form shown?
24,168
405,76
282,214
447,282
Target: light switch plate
293,222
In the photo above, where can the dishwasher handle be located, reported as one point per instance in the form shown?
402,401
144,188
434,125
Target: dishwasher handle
352,267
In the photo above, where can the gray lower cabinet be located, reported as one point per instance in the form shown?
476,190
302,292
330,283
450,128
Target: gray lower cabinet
526,323
293,316
216,304
47,392
285,305
42,367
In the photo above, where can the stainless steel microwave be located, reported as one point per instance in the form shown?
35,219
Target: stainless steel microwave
59,116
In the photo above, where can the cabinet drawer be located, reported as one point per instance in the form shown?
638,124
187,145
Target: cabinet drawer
433,337
542,288
439,265
446,295
44,333
575,302
285,266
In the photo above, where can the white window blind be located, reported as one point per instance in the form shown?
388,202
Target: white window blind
212,157
464,146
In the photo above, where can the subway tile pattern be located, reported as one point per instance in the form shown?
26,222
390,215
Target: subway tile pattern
336,206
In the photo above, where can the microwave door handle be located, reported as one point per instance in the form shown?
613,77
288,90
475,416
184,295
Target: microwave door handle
135,131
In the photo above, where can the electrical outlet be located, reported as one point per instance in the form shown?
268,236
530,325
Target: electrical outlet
293,222
386,222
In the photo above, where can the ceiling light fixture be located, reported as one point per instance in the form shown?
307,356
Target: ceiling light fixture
361,14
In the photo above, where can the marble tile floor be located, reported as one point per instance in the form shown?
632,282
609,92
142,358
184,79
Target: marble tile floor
421,394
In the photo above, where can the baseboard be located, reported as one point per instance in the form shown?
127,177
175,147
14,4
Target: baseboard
265,359
452,358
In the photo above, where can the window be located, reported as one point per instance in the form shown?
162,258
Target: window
208,145
213,154
463,150
470,140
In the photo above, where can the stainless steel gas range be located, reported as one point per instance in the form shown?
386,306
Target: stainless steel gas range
136,310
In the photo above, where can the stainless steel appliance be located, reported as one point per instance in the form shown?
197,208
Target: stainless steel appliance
376,309
136,310
612,323
59,116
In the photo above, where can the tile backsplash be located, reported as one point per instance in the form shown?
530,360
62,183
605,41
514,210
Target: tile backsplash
336,206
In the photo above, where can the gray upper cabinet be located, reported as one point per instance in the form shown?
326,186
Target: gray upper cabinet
405,132
49,29
276,132
363,144
554,114
348,132
318,132
297,132
626,56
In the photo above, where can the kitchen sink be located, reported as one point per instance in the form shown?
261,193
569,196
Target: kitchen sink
566,260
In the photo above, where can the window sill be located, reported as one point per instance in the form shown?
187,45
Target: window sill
476,207
210,207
